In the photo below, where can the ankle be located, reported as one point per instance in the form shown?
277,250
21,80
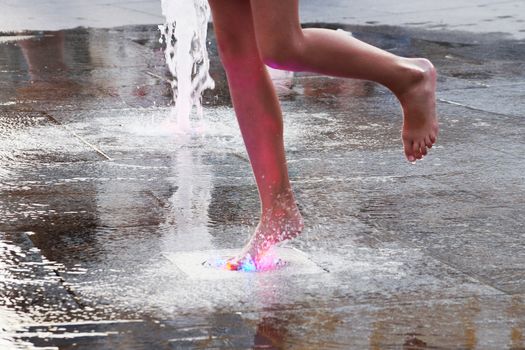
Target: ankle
411,72
280,212
277,199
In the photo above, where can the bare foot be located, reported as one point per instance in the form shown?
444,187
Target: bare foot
276,225
420,124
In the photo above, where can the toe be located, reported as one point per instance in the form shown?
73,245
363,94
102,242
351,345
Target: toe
433,138
409,153
416,149
428,142
423,150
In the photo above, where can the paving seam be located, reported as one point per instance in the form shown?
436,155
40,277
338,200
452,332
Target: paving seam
480,280
72,294
477,278
158,16
501,151
427,253
450,102
80,138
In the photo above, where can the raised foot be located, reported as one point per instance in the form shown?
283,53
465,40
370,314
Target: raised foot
276,226
418,100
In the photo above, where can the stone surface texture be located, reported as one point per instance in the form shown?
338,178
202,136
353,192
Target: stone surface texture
94,195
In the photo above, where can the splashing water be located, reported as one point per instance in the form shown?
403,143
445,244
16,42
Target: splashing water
268,262
184,35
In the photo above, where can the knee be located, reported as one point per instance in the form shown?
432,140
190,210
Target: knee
281,53
235,49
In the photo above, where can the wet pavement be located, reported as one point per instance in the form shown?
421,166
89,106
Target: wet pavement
95,200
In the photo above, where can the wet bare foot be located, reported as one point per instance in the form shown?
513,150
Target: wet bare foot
276,225
420,124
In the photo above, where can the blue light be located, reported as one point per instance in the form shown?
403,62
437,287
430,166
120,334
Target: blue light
248,265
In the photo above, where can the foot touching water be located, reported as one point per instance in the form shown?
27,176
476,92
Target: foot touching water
275,226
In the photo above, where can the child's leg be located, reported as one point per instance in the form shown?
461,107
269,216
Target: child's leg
259,116
283,44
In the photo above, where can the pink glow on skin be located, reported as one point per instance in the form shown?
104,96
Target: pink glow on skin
279,65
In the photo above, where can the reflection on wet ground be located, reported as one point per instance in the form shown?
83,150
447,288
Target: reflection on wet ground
93,197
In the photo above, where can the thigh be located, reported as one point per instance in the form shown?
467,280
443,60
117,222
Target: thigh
234,28
276,21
